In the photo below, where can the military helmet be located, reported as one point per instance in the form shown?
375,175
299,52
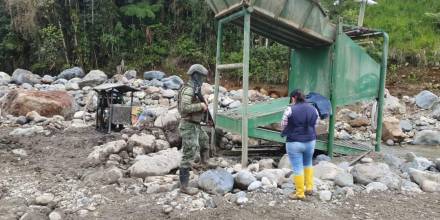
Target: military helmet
197,68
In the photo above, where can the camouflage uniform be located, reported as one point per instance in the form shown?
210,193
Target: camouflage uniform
194,138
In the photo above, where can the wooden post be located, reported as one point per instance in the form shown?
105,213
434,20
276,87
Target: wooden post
217,83
246,53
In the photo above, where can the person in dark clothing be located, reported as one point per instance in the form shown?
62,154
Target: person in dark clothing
299,127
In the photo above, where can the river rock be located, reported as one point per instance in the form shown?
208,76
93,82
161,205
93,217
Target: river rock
427,137
75,72
325,170
266,163
235,104
26,132
56,215
415,162
393,105
393,161
284,162
207,89
391,180
146,141
274,175
359,122
409,187
130,74
101,176
406,125
391,130
156,164
254,186
343,179
44,199
218,181
437,163
172,82
150,75
244,178
4,77
47,104
325,195
376,187
101,152
47,79
427,180
162,145
93,78
21,76
369,172
168,120
168,93
426,99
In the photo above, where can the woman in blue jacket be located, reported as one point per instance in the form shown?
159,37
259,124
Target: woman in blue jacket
299,126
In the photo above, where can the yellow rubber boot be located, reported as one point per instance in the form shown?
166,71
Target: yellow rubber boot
299,185
308,173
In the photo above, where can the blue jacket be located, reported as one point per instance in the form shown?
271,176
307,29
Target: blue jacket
301,123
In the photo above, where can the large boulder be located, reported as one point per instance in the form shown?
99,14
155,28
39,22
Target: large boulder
106,177
156,164
415,162
100,153
369,172
391,130
325,170
75,72
217,181
168,119
93,78
145,141
46,103
284,162
130,74
393,105
150,75
428,181
244,178
427,137
393,161
274,175
172,82
21,76
4,78
426,99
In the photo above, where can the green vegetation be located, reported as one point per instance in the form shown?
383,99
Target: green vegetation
47,36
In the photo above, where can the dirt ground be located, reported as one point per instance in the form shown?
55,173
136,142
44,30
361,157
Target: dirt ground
52,167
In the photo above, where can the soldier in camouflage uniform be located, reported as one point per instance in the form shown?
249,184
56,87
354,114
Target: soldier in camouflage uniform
193,137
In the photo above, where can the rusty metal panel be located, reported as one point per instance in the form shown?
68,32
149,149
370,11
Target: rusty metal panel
121,114
310,70
357,74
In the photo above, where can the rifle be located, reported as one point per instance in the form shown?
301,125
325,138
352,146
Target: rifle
207,118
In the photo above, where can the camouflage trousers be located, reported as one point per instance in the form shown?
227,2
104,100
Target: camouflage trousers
194,140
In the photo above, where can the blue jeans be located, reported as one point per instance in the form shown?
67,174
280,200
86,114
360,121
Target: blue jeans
300,155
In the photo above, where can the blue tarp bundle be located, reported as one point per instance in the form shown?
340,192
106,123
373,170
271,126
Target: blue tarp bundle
321,103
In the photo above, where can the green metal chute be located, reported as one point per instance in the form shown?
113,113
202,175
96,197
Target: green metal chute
324,60
295,23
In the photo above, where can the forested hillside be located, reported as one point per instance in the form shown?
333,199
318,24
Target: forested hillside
47,36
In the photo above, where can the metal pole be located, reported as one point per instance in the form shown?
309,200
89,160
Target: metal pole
246,53
332,120
380,102
362,13
217,82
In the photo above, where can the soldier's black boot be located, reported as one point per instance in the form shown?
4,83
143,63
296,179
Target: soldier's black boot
184,180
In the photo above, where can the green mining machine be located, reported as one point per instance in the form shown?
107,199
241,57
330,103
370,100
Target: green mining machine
324,59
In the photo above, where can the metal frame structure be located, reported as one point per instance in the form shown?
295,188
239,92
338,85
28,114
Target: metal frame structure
250,120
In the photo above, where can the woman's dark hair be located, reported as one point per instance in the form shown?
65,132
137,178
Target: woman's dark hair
299,95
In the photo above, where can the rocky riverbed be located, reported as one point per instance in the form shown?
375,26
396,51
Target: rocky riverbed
56,166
